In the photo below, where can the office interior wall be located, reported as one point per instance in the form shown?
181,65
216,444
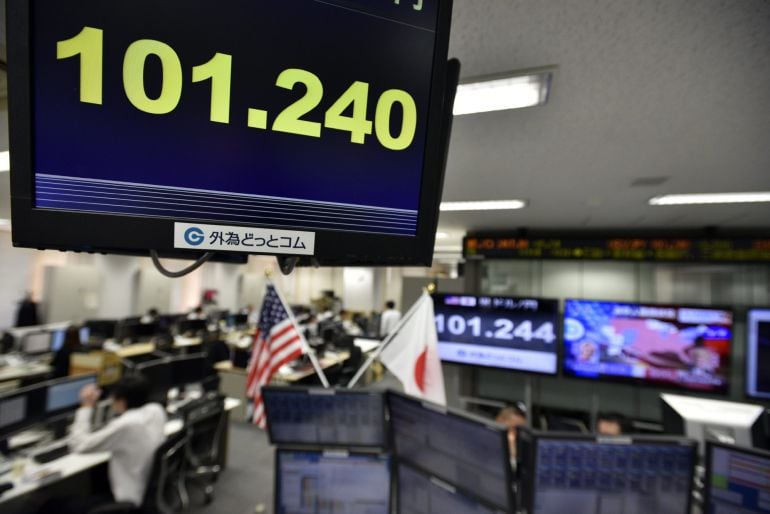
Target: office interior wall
358,288
152,290
71,293
735,286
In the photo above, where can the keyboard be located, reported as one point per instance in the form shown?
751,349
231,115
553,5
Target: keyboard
52,454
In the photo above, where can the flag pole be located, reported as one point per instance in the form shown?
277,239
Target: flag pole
376,354
305,345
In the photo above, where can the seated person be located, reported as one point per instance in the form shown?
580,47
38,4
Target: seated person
611,423
512,416
132,437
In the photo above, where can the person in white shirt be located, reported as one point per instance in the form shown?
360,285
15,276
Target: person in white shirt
389,318
132,438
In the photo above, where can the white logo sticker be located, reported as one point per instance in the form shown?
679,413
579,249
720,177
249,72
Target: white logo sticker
194,236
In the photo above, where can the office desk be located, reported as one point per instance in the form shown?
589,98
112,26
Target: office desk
330,359
24,372
186,342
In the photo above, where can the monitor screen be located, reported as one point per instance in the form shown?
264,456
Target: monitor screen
244,140
500,332
325,417
101,328
190,369
679,347
58,337
37,343
158,373
737,480
192,326
419,493
65,395
598,476
12,410
468,453
238,320
315,482
21,409
758,354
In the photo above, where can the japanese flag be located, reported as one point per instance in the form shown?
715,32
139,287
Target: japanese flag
412,355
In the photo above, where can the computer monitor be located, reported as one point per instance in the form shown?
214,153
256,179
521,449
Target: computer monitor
467,452
420,493
158,374
21,409
607,475
189,369
325,417
137,331
192,326
58,337
313,482
714,420
737,480
64,395
238,320
758,354
101,329
36,343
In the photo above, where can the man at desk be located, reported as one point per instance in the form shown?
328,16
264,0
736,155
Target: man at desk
132,438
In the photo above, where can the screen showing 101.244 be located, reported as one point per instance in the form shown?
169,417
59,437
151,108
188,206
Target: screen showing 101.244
300,114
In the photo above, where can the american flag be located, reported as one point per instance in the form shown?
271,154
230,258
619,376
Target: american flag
277,342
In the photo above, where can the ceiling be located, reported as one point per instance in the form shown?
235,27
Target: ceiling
653,88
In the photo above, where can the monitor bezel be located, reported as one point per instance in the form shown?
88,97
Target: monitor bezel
557,327
710,445
465,416
662,386
528,497
321,451
112,233
326,393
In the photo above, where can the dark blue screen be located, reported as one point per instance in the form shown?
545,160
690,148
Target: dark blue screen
115,158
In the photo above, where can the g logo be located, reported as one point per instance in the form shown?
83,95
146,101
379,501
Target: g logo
194,236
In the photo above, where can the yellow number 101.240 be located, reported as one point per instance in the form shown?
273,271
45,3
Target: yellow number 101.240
88,45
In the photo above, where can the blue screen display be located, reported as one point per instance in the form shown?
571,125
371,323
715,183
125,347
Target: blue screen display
318,120
685,347
740,481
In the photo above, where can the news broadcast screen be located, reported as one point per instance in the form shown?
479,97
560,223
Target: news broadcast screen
498,332
674,346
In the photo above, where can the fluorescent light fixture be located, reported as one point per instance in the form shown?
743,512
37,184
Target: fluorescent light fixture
503,93
442,235
5,161
489,205
711,198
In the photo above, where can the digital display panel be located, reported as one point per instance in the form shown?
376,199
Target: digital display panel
587,477
737,480
758,354
325,417
465,452
419,493
256,126
65,395
315,482
500,332
680,347
589,247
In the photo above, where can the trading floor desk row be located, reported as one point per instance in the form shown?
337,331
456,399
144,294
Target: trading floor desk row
39,465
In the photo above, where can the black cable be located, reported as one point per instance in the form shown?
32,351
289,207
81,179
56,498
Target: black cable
176,274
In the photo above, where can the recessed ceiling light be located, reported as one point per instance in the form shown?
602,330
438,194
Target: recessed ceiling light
711,198
502,93
489,205
5,161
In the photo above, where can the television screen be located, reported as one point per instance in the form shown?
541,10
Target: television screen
758,354
586,475
466,452
680,347
307,128
499,332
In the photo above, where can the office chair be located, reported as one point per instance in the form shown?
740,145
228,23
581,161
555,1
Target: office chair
167,480
351,366
205,424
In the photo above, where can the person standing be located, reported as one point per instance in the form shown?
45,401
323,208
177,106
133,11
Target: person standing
389,319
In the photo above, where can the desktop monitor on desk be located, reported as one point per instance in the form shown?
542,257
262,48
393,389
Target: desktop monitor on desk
737,480
590,475
314,481
137,331
36,343
464,451
63,396
704,420
238,320
101,329
192,326
325,417
58,337
20,409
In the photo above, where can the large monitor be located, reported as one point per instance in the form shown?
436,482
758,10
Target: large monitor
325,417
64,395
758,354
329,145
669,346
20,409
420,493
704,420
308,482
499,332
595,475
468,453
737,480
